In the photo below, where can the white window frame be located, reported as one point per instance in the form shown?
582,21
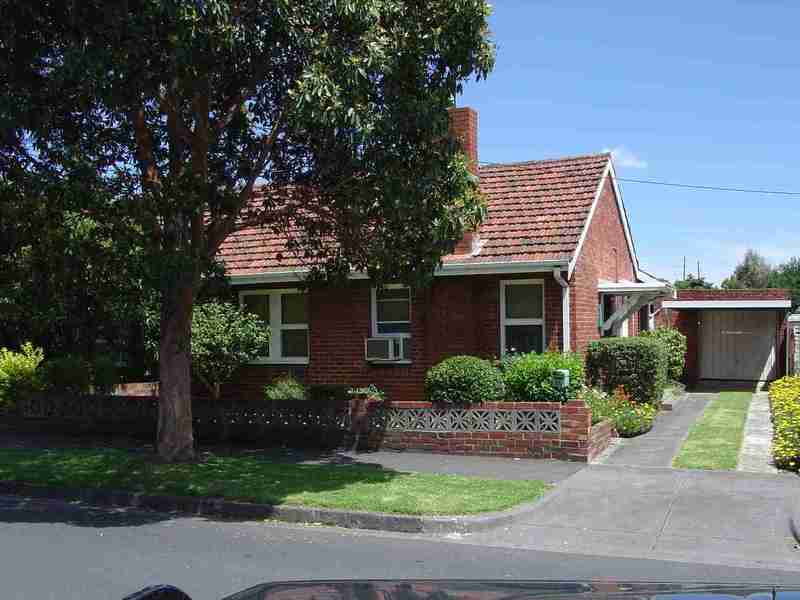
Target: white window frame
276,327
511,322
374,318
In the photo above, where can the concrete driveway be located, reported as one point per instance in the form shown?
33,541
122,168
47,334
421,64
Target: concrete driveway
730,518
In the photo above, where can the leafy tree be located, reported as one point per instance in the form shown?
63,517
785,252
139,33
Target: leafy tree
787,275
224,338
692,282
175,109
752,273
68,279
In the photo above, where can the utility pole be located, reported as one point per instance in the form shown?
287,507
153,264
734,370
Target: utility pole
698,269
684,267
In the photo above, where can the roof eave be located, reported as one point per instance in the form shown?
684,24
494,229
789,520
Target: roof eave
446,270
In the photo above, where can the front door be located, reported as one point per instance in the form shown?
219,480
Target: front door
737,344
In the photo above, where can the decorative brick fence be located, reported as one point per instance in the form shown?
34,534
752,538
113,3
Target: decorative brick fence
510,429
518,429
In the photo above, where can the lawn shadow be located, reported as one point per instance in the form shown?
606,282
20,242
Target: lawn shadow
19,509
265,477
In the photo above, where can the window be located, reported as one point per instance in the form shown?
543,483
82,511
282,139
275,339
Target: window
286,311
522,316
391,318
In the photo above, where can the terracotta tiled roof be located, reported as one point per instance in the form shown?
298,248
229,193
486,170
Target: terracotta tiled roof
536,212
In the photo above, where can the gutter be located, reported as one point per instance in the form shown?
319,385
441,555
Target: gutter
450,269
566,335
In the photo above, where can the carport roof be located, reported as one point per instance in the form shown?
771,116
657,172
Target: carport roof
738,304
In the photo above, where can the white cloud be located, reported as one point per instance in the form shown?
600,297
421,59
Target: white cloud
624,157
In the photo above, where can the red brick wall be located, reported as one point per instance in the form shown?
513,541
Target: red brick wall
573,442
687,322
604,255
770,294
455,315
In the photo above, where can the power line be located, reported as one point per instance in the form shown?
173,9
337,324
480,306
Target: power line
710,187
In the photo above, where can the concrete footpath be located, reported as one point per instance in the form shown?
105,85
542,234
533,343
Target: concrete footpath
730,518
658,447
755,455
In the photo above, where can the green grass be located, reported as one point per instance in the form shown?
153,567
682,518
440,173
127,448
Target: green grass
353,487
714,441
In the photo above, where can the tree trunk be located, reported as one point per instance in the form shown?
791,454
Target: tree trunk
175,436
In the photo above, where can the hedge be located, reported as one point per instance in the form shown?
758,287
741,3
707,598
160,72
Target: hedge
529,377
464,380
675,343
784,397
638,364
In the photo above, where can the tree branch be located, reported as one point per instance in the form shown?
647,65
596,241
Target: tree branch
221,228
144,149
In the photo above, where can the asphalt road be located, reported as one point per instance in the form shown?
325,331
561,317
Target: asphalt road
52,550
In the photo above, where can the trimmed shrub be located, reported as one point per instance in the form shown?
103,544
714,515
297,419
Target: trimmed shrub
464,380
105,374
285,387
784,397
529,377
638,364
68,373
675,343
19,373
629,418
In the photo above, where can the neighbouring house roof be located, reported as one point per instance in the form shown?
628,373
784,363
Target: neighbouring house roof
537,213
695,299
720,304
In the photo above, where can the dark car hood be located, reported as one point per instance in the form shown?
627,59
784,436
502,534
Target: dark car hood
505,590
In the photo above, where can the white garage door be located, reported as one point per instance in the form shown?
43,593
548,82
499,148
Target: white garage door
737,344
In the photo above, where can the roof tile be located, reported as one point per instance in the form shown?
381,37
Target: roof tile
536,211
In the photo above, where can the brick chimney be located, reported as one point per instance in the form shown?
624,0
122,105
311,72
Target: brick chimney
464,127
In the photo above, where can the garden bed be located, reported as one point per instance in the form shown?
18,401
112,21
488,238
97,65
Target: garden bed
250,479
784,399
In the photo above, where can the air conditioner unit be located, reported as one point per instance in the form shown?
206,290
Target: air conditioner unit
387,349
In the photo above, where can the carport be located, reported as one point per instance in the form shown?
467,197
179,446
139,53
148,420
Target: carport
733,335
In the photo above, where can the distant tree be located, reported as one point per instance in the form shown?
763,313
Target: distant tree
787,275
752,273
692,282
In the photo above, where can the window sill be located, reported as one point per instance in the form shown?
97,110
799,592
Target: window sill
388,363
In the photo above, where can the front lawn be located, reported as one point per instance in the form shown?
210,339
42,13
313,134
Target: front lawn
351,487
714,441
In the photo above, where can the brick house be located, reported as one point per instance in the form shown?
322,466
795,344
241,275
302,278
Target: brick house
553,266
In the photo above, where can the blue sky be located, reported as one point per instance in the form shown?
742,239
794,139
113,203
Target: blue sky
690,92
